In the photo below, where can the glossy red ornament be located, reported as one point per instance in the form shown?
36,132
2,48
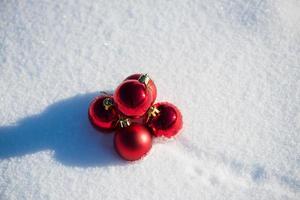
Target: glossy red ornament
133,98
103,114
132,142
151,86
164,119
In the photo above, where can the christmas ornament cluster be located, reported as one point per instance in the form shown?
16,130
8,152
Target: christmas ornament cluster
131,112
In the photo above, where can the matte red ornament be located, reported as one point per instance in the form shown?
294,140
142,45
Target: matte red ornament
132,142
133,98
164,119
151,86
103,114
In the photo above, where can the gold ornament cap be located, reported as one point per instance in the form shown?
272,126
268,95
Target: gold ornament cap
107,103
144,78
124,122
152,112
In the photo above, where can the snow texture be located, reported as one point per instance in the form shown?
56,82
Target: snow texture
231,66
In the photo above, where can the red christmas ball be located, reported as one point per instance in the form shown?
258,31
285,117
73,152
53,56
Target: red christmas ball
151,86
103,114
164,119
133,98
133,142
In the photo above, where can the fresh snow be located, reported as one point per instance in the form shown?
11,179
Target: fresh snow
231,66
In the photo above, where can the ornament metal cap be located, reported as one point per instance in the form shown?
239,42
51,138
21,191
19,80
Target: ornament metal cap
152,112
107,103
124,122
144,78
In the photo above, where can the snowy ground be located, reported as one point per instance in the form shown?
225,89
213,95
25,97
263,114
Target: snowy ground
233,67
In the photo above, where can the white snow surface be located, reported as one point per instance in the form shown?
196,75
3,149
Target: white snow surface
232,67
